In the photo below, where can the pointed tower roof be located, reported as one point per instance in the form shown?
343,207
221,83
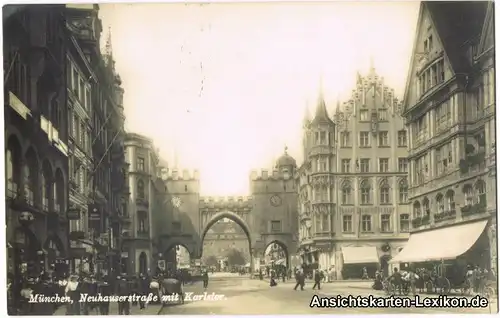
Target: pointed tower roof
321,115
306,120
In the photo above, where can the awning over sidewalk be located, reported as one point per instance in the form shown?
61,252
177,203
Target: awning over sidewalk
360,254
445,243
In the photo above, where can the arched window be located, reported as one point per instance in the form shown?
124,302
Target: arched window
403,191
450,200
140,190
440,203
365,192
469,194
417,210
481,192
426,207
384,193
346,193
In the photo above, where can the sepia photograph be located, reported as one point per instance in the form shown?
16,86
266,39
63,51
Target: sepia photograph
250,158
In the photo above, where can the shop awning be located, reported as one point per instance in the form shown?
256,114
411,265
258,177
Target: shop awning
360,254
440,244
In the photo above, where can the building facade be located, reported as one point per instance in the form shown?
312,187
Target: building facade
143,159
450,112
96,134
353,184
36,140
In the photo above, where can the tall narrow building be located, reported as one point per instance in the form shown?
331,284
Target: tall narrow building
356,172
450,110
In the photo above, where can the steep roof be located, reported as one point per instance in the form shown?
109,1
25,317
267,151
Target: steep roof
457,22
321,115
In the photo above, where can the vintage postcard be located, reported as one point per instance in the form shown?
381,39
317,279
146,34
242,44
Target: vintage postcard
250,158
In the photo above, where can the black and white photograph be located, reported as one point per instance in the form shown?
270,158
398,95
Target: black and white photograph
250,158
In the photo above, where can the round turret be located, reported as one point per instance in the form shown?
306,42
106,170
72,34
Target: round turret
286,162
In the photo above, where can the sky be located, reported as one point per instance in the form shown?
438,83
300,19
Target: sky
223,88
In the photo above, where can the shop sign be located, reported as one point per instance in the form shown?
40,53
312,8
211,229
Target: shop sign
73,214
161,264
94,212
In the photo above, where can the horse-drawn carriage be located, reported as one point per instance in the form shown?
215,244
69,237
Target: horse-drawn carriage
444,278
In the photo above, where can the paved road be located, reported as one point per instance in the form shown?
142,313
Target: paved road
254,297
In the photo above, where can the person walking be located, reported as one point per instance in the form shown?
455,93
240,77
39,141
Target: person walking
143,289
299,279
318,277
205,279
123,289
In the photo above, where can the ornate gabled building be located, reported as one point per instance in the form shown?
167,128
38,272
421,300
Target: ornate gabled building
98,187
353,183
36,140
449,107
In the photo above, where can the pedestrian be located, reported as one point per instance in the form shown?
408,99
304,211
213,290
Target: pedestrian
143,289
299,279
318,277
205,279
123,289
105,290
72,290
365,274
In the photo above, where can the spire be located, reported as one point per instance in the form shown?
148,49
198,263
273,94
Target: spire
321,115
109,46
372,66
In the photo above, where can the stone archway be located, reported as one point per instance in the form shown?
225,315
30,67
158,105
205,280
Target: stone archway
236,219
281,245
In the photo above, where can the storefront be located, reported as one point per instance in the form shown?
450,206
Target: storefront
470,242
356,258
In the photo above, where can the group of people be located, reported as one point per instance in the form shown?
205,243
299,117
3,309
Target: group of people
92,284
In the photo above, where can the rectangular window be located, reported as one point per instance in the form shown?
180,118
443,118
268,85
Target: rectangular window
346,195
404,223
364,115
347,223
82,135
385,195
322,138
383,139
141,164
366,223
345,140
87,99
383,165
364,139
443,116
346,165
81,92
76,80
402,138
322,165
365,195
275,226
382,114
402,165
364,165
385,223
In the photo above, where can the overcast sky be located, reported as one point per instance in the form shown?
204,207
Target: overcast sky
224,86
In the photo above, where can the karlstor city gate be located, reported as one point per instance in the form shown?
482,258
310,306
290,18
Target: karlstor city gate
268,216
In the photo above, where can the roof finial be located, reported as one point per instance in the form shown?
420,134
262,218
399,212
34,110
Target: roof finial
372,65
286,149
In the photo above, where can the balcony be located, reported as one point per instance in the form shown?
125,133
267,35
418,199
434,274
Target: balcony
469,210
446,215
420,221
473,163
